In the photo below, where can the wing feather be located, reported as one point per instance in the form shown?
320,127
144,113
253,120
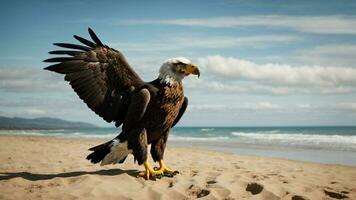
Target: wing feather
60,52
80,76
84,41
181,111
72,46
136,110
61,59
94,37
100,76
68,67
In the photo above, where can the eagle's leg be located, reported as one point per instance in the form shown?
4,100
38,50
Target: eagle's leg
138,143
157,150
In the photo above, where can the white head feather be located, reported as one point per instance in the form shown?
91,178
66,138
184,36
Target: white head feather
167,75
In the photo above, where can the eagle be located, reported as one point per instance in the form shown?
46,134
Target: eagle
109,86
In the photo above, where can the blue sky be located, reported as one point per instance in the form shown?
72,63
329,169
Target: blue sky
263,63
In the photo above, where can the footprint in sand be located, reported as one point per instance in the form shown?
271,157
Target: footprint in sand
257,178
211,179
210,182
170,184
297,197
237,167
193,173
197,192
336,195
217,189
254,188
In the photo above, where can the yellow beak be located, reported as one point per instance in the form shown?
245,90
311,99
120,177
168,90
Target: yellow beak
192,69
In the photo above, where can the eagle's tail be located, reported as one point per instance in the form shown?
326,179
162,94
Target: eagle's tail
111,152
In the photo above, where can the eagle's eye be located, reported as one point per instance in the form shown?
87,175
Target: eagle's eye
180,67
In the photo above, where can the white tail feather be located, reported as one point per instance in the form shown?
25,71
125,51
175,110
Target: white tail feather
118,152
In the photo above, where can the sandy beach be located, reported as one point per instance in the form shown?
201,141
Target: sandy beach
56,168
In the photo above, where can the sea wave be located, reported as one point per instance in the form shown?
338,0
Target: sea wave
275,137
56,133
342,142
22,132
207,129
188,138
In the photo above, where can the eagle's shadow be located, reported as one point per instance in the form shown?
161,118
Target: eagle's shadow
36,177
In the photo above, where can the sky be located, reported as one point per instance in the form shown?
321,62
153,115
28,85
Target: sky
262,63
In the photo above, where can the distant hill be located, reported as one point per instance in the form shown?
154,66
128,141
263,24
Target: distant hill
40,123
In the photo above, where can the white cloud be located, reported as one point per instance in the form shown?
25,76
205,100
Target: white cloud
35,112
263,106
235,68
16,58
257,106
204,85
337,90
206,107
174,43
348,106
333,50
327,55
335,24
231,87
304,106
341,55
29,80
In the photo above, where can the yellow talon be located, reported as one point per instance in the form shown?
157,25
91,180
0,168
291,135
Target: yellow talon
163,169
145,174
148,172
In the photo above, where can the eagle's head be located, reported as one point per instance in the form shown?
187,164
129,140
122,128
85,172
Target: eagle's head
175,69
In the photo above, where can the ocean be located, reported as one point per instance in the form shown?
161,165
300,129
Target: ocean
332,145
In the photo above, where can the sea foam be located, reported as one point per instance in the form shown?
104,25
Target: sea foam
341,142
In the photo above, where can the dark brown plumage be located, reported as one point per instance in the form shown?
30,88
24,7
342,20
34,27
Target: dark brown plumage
105,81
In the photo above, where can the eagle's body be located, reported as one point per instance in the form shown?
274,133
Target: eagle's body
162,110
165,103
147,111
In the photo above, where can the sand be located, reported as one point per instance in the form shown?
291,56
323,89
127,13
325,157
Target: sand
56,168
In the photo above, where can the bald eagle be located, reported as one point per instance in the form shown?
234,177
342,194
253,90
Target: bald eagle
104,80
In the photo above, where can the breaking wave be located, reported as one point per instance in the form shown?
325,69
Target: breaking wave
57,133
187,138
207,129
342,142
312,138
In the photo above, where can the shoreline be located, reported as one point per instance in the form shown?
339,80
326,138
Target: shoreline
321,156
37,167
174,145
294,153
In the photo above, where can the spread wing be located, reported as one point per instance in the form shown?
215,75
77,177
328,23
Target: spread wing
181,111
100,76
